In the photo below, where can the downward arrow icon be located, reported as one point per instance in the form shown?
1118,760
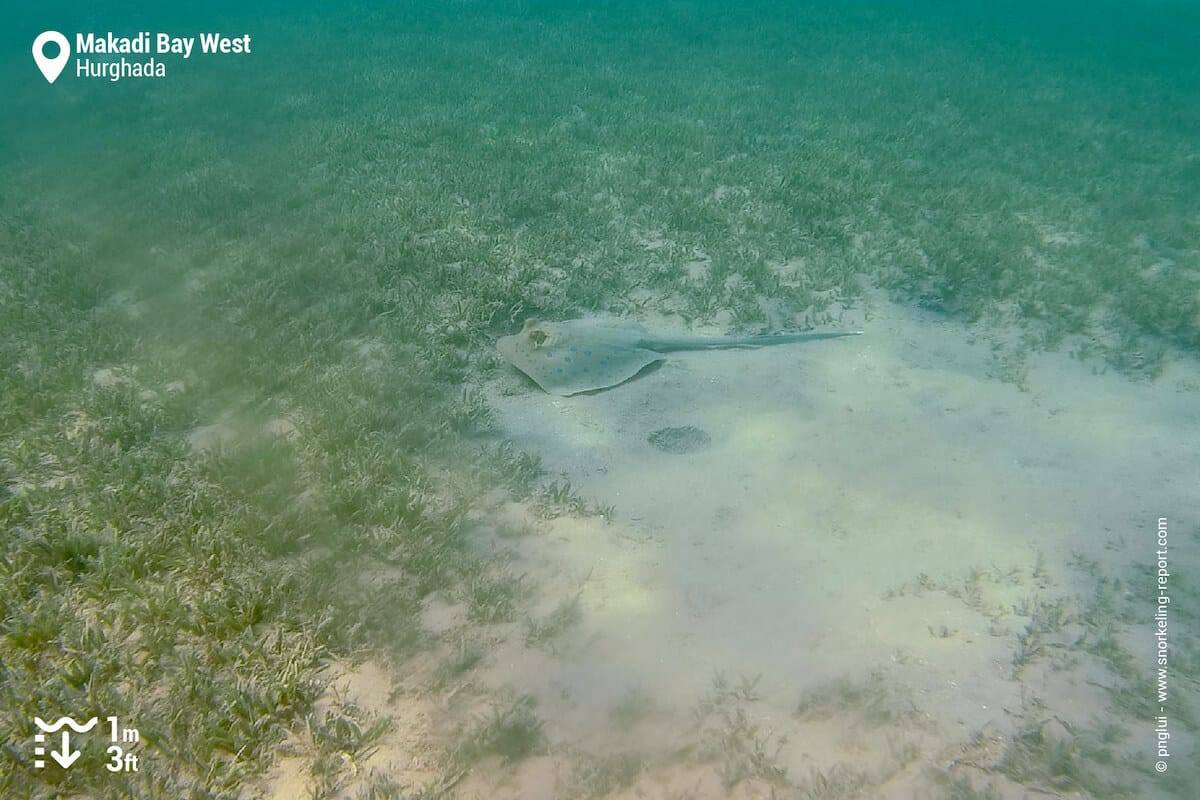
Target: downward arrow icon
66,758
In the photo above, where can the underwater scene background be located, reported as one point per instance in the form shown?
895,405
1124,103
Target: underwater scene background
271,499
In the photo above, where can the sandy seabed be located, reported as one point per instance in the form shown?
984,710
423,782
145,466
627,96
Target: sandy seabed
881,511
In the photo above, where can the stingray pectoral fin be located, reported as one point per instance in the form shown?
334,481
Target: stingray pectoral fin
604,371
572,365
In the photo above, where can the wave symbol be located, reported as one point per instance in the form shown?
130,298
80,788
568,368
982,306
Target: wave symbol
61,721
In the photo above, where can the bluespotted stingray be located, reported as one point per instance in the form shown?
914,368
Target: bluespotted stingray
588,355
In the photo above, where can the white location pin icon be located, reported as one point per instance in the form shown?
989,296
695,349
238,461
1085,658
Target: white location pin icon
51,67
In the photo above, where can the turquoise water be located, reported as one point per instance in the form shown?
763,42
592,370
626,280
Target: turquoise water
255,433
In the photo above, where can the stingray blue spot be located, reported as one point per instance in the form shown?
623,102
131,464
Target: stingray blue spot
567,359
559,369
587,352
549,355
604,362
585,369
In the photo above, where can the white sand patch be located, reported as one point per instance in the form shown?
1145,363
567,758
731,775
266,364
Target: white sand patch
282,427
111,377
652,240
124,304
696,269
218,436
876,506
407,754
372,353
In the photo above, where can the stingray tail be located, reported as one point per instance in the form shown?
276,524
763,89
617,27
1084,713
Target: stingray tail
667,344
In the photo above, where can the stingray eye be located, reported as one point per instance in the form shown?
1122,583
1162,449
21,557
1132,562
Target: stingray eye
538,338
